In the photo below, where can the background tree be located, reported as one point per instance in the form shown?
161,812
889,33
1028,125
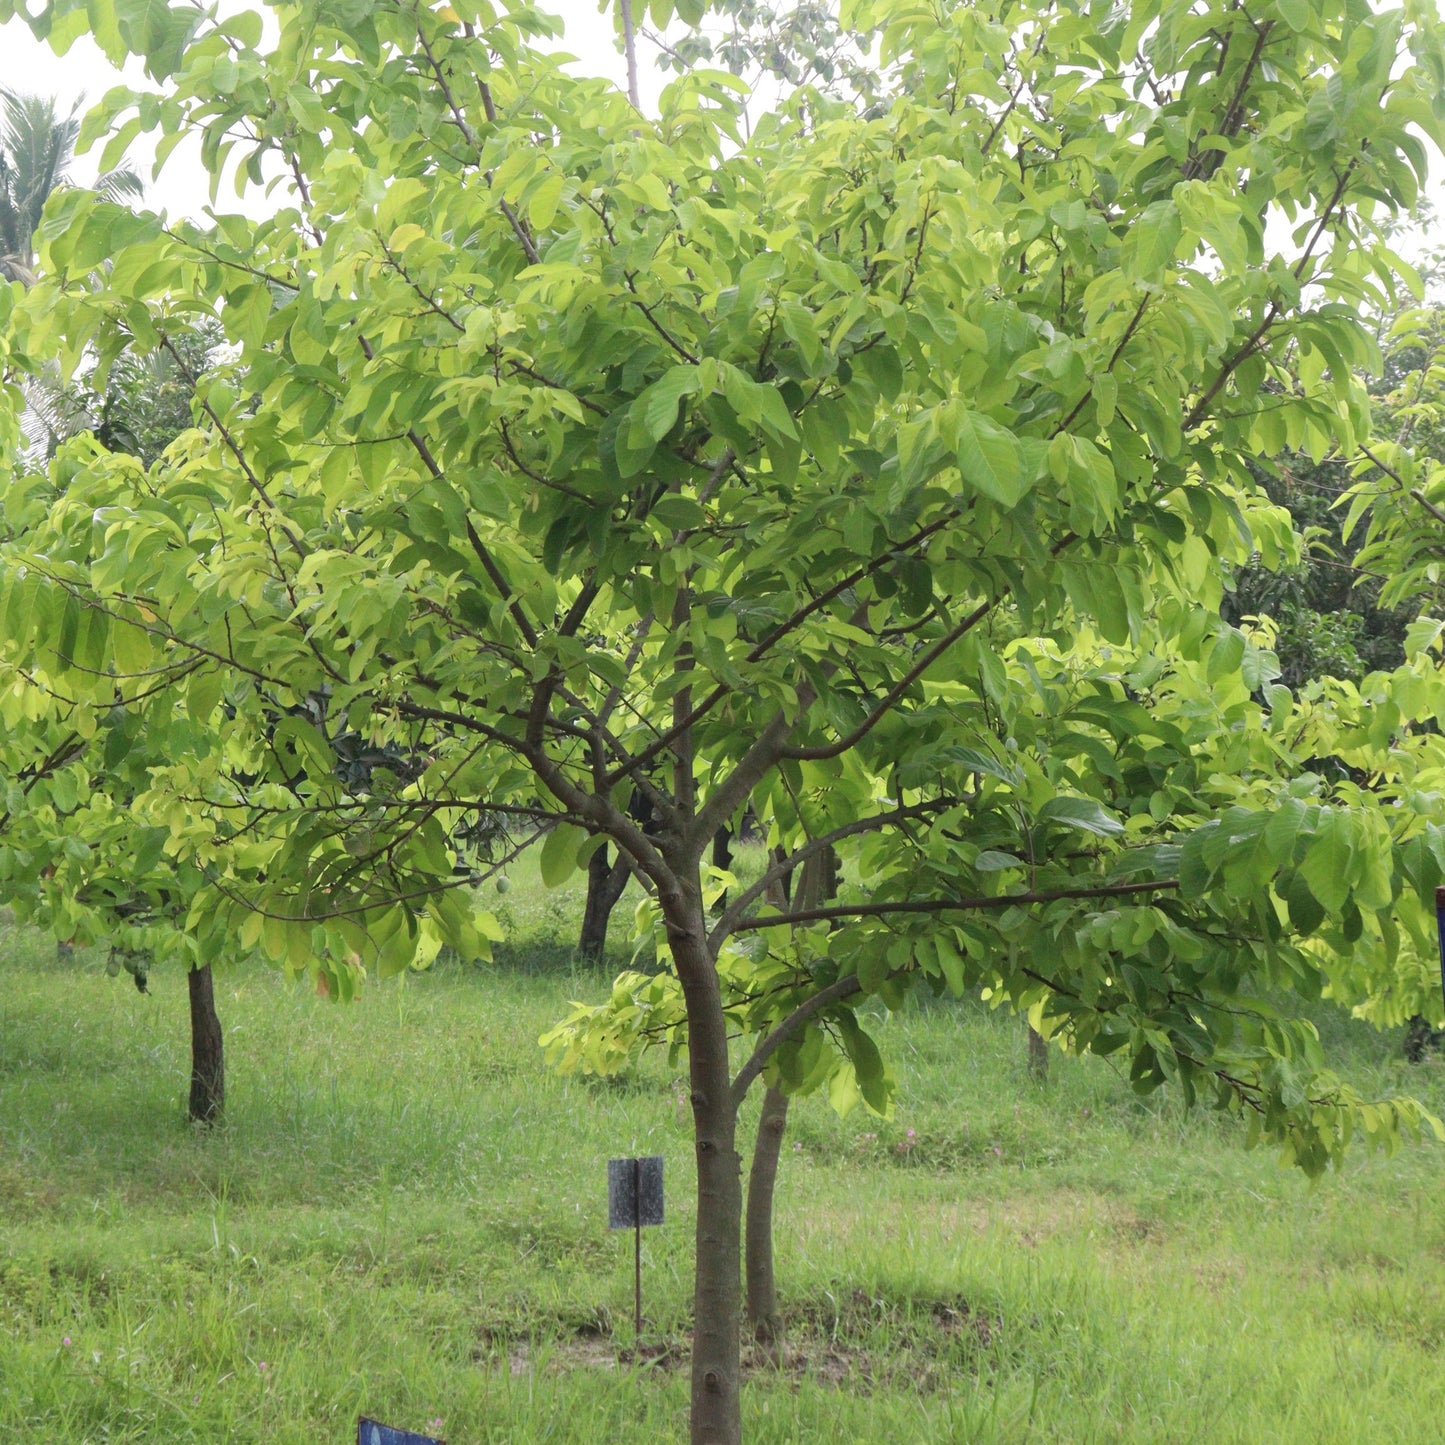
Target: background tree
786,47
37,153
72,857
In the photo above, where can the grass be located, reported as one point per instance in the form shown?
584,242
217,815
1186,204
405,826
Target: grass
404,1216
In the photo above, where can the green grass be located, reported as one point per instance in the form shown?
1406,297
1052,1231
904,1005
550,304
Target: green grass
405,1216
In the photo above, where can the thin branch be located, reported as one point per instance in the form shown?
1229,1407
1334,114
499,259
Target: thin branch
257,485
629,45
930,655
1430,507
948,905
782,630
843,988
1200,409
728,920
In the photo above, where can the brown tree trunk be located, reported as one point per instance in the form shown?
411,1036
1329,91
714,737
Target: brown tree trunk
762,1178
606,883
717,1294
722,858
817,883
1038,1055
208,1061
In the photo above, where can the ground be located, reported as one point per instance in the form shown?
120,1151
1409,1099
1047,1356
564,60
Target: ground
405,1216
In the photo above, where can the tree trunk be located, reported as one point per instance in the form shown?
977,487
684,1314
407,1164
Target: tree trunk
818,882
1038,1055
208,1062
717,1293
606,883
762,1177
722,858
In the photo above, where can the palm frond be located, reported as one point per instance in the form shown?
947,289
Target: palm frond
119,185
37,147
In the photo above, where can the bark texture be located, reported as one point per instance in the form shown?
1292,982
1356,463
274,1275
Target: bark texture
717,1297
208,1059
762,1179
1038,1054
606,883
817,884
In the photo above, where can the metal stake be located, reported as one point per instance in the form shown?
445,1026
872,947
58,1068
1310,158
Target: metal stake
637,1255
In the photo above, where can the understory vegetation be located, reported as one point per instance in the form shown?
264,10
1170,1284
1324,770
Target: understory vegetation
405,1216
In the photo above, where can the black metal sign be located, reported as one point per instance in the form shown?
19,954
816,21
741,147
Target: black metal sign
368,1432
634,1198
634,1192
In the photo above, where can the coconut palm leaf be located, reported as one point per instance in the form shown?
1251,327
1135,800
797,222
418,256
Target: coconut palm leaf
37,149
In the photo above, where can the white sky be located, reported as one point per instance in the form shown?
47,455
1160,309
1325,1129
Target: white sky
183,188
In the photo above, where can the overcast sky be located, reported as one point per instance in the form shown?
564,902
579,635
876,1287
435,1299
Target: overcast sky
183,188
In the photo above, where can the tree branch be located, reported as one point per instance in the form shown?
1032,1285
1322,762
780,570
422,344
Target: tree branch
728,920
930,655
948,905
843,988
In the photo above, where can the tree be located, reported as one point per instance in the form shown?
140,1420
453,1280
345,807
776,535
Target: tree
878,472
37,151
37,148
72,858
795,46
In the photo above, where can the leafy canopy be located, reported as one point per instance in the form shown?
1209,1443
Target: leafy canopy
876,470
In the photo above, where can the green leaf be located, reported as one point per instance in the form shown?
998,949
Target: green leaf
1195,873
654,413
1282,830
991,860
560,847
542,202
989,458
1156,236
203,695
1083,814
1226,654
758,402
1305,911
1422,635
1329,861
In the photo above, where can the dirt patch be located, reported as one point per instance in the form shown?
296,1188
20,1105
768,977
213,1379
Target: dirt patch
1136,1230
856,1339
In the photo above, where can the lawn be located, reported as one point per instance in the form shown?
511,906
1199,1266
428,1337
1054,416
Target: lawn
405,1216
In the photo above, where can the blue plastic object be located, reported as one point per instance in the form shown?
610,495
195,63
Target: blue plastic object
368,1432
1440,927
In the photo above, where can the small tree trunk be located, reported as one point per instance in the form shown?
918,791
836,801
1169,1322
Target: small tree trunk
817,883
208,1061
606,883
762,1178
722,858
1038,1055
784,887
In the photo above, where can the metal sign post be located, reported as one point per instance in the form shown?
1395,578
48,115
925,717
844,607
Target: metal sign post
634,1199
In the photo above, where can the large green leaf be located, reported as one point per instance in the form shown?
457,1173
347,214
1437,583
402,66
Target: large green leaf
1083,814
990,459
558,859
